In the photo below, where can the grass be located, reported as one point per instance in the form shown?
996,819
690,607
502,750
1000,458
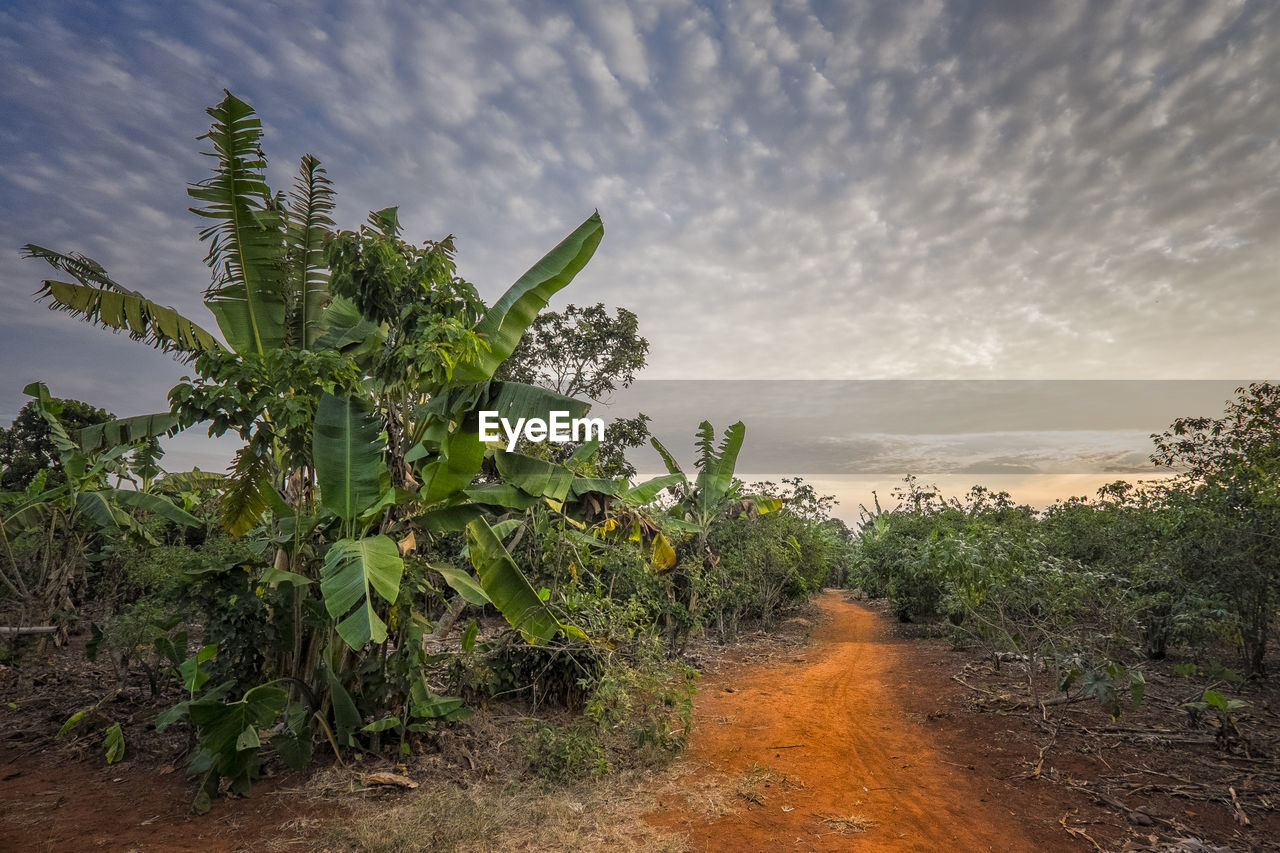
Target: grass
599,815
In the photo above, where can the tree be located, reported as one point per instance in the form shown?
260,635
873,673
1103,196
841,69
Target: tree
586,353
27,447
1225,517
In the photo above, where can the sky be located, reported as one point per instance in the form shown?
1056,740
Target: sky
799,190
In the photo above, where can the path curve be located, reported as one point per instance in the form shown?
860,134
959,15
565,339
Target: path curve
847,742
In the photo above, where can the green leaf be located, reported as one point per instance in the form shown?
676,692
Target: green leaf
534,476
349,448
504,324
715,477
74,720
353,567
515,400
464,585
382,725
454,468
310,204
274,575
507,587
247,236
113,743
104,302
447,708
667,459
469,636
501,495
647,491
1137,687
453,519
345,326
224,729
346,718
98,437
154,504
193,677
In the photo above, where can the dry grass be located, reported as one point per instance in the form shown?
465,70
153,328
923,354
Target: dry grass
597,816
851,823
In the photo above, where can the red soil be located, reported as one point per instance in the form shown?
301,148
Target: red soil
828,733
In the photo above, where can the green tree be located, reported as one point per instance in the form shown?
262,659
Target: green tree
586,353
1225,518
27,446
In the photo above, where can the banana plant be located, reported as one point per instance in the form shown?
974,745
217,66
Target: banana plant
59,520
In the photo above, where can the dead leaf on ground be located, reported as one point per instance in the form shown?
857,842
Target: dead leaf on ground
387,779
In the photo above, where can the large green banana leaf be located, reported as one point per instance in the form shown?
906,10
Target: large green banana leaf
673,467
464,585
139,317
507,587
535,476
353,568
344,325
348,447
454,467
504,324
649,489
515,400
310,203
125,431
502,495
716,476
102,301
155,504
246,239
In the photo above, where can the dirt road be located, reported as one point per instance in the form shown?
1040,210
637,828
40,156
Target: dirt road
820,743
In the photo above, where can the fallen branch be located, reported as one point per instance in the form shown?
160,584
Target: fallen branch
1078,833
22,631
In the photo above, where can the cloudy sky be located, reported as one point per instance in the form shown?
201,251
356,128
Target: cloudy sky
822,190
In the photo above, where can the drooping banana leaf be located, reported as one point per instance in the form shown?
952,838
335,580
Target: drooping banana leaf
143,320
246,497
348,447
505,323
125,431
464,585
453,519
246,238
583,485
507,587
353,570
96,506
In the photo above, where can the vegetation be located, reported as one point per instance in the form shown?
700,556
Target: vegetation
1088,590
370,572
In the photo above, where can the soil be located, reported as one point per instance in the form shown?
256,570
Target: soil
844,768
864,740
858,734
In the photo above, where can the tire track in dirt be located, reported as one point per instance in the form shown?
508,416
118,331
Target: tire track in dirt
826,738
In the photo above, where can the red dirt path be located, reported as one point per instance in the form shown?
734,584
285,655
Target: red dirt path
833,721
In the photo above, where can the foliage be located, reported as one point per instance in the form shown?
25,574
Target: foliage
584,352
27,446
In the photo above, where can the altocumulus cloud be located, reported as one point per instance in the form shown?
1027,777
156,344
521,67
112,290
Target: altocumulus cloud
803,189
